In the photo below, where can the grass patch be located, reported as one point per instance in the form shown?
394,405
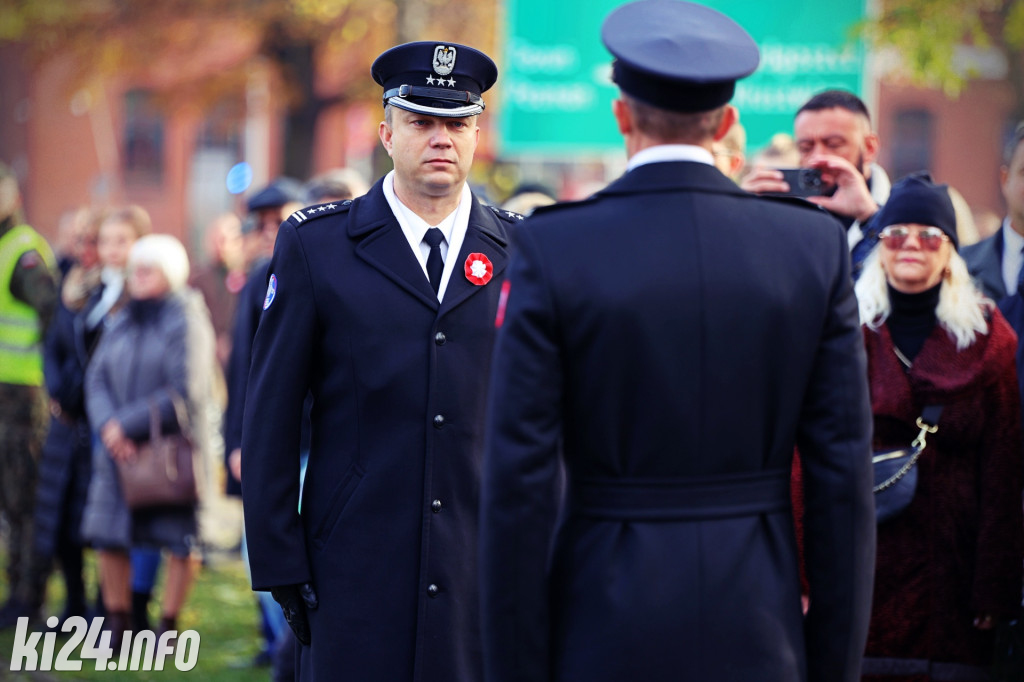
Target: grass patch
220,608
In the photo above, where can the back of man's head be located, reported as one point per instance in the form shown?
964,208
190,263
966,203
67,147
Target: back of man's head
676,65
674,126
836,99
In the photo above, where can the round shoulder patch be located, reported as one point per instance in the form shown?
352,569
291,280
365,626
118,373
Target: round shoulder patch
30,259
271,292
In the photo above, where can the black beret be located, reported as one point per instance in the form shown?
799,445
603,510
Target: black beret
917,200
439,79
676,55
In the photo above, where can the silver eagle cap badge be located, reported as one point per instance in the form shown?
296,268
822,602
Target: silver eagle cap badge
444,60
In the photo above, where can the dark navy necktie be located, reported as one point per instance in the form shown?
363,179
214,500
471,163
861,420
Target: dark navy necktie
435,265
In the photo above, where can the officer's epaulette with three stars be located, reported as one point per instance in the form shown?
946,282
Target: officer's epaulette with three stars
507,216
304,215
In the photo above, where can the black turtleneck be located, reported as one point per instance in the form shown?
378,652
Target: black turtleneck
912,319
146,310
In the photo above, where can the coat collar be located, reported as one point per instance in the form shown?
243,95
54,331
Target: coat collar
939,372
382,244
670,176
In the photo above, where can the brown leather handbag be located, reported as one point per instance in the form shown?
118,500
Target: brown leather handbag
162,473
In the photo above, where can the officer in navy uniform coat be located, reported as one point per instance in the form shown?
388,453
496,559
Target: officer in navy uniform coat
669,340
391,330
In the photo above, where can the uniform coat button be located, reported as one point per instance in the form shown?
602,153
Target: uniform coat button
435,506
438,420
440,338
432,590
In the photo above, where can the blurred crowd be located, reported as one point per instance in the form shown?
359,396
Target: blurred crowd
127,327
111,324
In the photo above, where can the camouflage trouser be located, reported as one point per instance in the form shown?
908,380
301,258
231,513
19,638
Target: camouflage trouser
24,419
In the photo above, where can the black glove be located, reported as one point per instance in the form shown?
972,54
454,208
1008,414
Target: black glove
295,600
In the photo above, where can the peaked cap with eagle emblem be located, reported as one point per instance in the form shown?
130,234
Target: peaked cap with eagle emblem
435,78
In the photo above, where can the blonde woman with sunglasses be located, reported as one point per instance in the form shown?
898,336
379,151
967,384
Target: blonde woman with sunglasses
949,566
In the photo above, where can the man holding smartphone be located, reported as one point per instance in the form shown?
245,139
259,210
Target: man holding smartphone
833,134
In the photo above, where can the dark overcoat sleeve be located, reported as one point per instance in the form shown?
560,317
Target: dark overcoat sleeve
247,318
278,384
834,440
62,370
520,476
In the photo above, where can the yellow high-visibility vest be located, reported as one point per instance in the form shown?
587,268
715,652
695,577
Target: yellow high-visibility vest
21,357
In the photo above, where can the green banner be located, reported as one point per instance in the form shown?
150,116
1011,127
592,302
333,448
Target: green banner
555,76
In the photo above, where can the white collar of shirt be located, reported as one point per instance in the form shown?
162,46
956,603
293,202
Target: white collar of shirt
414,228
113,285
1013,259
670,152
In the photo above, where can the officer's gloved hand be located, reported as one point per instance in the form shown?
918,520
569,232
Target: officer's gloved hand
295,600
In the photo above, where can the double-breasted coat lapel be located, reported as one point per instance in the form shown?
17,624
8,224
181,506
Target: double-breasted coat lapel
384,246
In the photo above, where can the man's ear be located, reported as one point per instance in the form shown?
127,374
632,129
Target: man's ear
871,146
384,131
729,117
623,116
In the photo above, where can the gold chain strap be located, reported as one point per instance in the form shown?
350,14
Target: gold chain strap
919,445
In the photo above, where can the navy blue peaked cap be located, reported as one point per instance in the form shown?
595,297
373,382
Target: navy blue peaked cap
278,193
677,55
435,78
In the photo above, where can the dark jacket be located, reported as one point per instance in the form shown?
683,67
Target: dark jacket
65,465
243,330
985,263
388,528
669,340
956,552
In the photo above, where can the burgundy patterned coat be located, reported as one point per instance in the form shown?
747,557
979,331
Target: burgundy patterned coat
956,551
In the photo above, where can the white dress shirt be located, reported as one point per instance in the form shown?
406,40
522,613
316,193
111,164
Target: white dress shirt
453,227
670,152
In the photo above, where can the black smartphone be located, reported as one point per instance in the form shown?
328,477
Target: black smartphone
804,182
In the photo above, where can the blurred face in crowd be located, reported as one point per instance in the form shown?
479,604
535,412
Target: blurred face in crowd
115,242
837,132
9,196
432,154
914,256
226,242
1012,182
147,281
84,247
268,221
